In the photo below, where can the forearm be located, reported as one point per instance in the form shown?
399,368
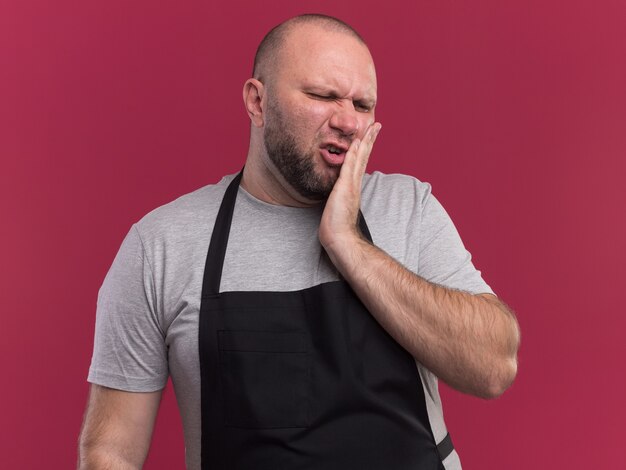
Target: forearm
468,341
117,429
105,458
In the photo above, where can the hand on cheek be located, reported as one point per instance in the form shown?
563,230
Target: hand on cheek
339,220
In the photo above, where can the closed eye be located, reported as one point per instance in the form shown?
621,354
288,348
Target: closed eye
322,97
362,107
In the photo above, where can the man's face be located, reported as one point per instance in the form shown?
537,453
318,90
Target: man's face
320,99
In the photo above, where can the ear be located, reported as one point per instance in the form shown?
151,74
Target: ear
253,91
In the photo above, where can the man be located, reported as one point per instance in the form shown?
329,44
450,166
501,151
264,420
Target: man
293,332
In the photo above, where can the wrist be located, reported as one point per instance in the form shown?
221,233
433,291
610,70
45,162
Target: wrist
347,251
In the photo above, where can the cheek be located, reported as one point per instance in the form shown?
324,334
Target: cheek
314,112
365,121
310,118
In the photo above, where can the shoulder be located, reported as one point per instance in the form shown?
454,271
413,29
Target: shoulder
396,192
379,184
394,207
184,216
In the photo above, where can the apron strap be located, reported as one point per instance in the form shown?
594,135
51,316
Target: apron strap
363,226
219,239
445,447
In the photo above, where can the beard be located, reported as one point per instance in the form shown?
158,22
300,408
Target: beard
296,166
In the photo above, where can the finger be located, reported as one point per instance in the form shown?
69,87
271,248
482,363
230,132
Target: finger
368,141
361,150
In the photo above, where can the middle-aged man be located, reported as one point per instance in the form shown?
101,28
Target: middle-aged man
303,308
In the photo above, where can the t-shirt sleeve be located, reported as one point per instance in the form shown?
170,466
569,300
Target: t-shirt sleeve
129,348
443,258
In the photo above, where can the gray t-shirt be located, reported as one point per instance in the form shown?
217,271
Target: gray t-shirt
149,303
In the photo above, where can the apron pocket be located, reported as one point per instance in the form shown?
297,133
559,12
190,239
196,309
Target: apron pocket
265,378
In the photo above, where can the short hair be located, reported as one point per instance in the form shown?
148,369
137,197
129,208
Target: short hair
273,41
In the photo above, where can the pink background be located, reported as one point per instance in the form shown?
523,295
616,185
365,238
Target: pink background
515,112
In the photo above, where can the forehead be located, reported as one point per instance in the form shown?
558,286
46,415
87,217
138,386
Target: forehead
317,56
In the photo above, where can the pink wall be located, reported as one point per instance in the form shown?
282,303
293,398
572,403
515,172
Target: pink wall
514,111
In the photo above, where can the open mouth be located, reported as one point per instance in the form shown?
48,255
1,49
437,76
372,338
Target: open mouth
334,154
335,150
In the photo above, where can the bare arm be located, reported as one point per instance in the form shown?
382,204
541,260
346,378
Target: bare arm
117,429
469,341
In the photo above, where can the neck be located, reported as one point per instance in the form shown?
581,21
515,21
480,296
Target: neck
263,184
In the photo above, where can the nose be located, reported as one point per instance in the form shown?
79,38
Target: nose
345,120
